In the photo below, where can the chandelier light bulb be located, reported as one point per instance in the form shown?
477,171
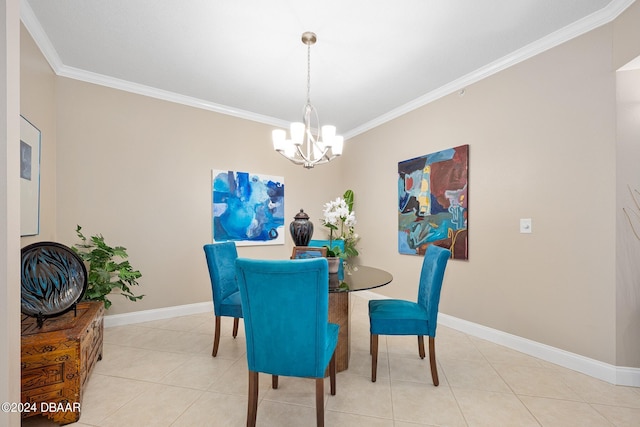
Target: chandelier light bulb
297,133
338,144
279,136
328,135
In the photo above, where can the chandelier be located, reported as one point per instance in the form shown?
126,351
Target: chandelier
309,144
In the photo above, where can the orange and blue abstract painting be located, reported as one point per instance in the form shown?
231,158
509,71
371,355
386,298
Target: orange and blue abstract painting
247,208
433,202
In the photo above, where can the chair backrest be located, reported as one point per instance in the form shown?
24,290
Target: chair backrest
303,252
431,277
339,243
285,307
334,243
221,260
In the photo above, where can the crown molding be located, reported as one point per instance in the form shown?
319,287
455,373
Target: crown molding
127,86
32,25
588,23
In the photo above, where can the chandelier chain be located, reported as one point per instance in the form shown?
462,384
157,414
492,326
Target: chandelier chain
308,73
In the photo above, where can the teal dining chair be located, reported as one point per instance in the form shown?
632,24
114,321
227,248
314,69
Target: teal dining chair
285,307
320,243
400,317
339,243
221,260
303,252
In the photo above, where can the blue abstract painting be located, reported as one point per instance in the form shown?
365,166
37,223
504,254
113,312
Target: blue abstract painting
433,202
247,208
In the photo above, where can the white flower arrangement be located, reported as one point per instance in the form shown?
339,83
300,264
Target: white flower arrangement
340,217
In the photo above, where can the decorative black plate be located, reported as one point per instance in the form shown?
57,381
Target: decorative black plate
54,279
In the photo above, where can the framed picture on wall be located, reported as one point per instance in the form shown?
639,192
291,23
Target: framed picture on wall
247,208
433,202
30,140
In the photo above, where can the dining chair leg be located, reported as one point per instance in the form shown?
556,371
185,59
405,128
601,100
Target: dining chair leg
374,357
320,402
421,346
252,408
274,382
432,361
216,337
235,326
370,343
332,374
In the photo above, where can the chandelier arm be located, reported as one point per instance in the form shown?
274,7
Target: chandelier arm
309,144
309,110
302,155
293,159
328,157
305,158
308,163
322,150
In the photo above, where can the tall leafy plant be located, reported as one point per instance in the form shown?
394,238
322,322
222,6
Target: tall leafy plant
108,269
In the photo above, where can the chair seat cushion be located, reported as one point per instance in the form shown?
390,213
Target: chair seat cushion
397,317
231,306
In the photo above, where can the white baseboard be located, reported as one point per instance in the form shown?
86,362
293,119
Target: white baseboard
618,375
613,374
157,314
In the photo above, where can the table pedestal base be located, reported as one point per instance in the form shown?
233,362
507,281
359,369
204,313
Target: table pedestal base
339,314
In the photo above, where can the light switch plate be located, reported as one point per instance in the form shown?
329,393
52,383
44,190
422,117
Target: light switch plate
525,225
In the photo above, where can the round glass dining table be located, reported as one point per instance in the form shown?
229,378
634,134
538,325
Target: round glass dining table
358,278
353,278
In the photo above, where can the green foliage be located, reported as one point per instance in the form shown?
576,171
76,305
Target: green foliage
335,252
339,217
108,269
349,236
348,197
344,286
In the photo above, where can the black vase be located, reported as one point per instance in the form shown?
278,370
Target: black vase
301,229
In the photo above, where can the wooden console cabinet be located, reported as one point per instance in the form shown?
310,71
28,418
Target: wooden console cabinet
57,361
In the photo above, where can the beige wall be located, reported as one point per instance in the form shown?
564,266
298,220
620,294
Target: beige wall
542,138
138,171
542,146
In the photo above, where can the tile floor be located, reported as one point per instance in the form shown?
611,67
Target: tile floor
161,373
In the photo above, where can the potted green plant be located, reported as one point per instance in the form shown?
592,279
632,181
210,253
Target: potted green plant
340,219
107,269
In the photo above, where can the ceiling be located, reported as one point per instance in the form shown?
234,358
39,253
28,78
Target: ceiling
374,59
